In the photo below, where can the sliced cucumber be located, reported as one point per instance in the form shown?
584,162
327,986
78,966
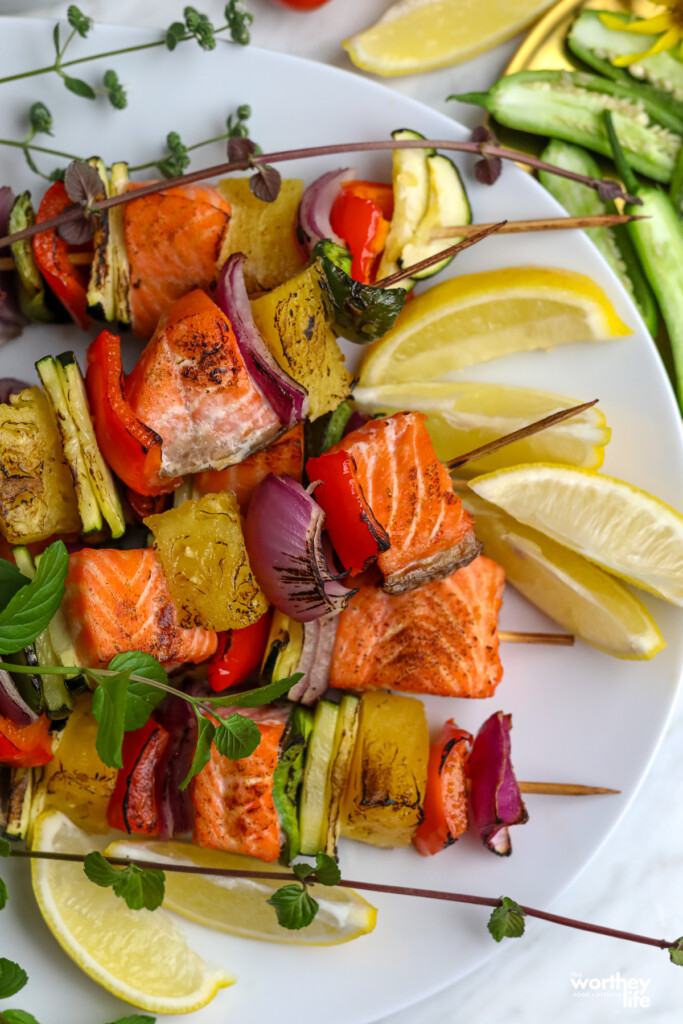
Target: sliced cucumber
287,779
119,183
344,742
411,197
91,518
448,204
32,295
614,243
98,471
101,303
20,799
315,793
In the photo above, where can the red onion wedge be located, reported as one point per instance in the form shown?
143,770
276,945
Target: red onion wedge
12,320
176,810
12,704
315,660
283,533
313,221
495,798
288,398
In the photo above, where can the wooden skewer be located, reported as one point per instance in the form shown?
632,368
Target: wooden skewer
78,259
563,789
557,639
482,231
518,227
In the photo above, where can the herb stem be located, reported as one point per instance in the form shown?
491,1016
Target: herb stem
196,145
38,149
397,890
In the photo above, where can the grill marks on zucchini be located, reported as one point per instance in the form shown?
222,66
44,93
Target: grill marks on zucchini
109,284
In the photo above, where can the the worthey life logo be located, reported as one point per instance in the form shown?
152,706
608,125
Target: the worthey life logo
631,991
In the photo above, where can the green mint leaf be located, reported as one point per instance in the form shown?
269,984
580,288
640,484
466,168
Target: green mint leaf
3,894
28,613
142,698
260,696
294,907
135,1018
202,752
141,888
11,580
676,952
110,715
99,870
507,920
78,20
302,871
237,737
79,87
238,21
12,978
327,870
40,118
18,1017
55,38
5,847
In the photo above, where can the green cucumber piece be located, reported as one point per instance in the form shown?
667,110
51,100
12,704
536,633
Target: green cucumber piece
101,304
570,106
32,295
344,742
448,204
288,777
98,471
119,182
411,196
613,243
658,78
315,792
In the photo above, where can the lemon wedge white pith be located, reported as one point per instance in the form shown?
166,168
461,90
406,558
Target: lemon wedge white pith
141,956
238,905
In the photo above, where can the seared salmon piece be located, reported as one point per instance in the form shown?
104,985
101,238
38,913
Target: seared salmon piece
233,800
441,638
191,386
173,239
284,457
119,601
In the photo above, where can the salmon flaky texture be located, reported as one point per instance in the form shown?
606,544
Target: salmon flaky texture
440,639
233,800
173,241
412,498
192,388
117,601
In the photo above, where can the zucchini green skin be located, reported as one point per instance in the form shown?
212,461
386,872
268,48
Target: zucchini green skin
288,777
101,287
314,802
448,204
658,242
570,106
658,79
613,243
32,293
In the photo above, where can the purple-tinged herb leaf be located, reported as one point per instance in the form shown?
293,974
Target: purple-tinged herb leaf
488,169
240,149
265,183
76,232
608,190
82,182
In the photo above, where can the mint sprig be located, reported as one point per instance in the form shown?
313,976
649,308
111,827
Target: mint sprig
12,978
141,888
294,905
32,607
507,920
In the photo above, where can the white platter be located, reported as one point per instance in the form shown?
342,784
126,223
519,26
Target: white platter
578,715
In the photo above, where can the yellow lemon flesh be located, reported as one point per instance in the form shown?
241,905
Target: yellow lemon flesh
416,35
479,317
463,416
578,595
625,530
141,956
238,905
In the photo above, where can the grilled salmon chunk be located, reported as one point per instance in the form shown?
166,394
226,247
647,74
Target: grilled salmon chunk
173,239
233,800
441,638
119,601
191,386
411,496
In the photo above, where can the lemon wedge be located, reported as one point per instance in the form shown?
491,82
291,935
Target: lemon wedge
586,601
464,415
238,905
624,529
416,35
139,956
478,317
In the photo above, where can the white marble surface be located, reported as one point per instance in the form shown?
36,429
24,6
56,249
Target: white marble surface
634,881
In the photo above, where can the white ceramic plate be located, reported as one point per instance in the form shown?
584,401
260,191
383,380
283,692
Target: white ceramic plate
578,715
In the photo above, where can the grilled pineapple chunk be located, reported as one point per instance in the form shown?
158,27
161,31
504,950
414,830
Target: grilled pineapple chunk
385,791
205,561
37,497
293,322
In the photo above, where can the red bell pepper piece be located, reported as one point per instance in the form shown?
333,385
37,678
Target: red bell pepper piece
445,808
238,654
25,746
132,449
356,535
360,215
133,804
69,283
